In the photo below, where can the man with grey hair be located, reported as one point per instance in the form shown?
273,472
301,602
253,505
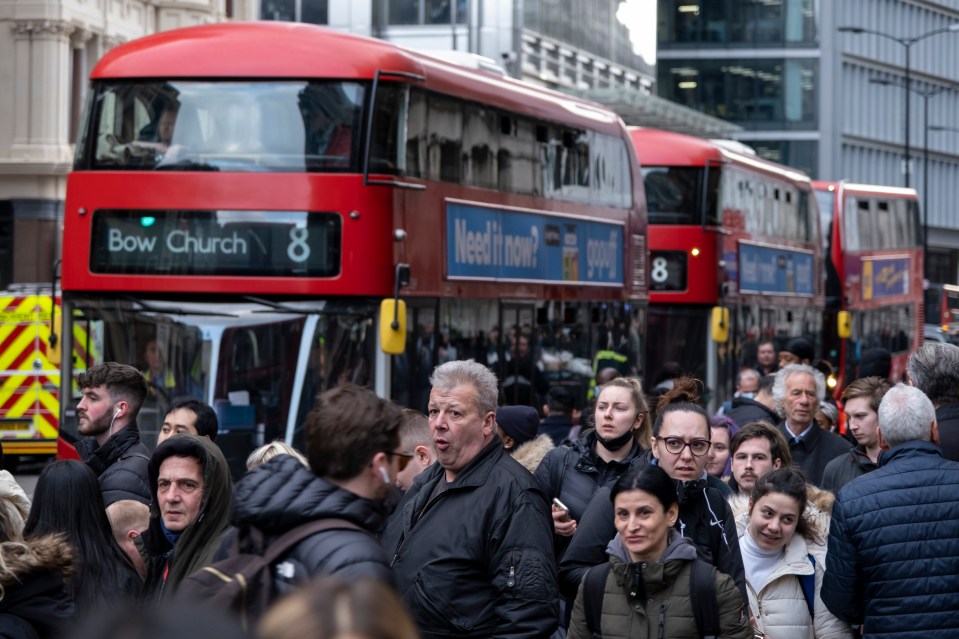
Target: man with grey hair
472,540
934,369
893,558
799,389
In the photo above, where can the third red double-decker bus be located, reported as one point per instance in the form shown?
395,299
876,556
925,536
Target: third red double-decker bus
245,195
731,232
873,241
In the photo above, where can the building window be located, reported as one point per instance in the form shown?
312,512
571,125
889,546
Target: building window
425,11
799,154
311,11
772,23
761,94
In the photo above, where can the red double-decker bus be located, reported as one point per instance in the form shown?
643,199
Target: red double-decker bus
735,256
245,195
874,293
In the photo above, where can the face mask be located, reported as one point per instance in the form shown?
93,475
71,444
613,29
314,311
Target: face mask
747,394
613,445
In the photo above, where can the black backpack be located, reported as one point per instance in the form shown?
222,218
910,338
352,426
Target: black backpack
702,594
243,583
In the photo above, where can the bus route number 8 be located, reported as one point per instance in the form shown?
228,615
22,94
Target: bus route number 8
298,251
660,270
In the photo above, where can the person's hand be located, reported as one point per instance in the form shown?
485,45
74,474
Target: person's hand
563,524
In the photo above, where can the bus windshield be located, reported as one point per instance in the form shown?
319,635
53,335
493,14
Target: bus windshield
280,126
252,362
674,195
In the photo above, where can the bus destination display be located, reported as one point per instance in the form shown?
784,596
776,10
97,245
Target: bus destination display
257,243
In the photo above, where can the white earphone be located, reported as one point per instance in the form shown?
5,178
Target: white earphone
385,475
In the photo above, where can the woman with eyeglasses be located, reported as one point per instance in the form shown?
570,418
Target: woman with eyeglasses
680,446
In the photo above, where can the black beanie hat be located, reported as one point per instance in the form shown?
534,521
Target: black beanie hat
519,422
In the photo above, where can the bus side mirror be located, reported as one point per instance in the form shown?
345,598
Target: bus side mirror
844,325
393,315
393,333
54,341
720,324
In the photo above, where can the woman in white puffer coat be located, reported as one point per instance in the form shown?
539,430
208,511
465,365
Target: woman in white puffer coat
777,538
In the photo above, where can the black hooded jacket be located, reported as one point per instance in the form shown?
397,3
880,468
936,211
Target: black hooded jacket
282,494
574,473
199,541
120,464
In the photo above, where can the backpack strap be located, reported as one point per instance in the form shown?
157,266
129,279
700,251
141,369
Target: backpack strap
702,595
290,538
594,588
808,583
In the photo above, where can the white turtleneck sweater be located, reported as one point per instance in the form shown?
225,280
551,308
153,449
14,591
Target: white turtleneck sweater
759,563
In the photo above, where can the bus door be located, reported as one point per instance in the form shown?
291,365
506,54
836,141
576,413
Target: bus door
521,381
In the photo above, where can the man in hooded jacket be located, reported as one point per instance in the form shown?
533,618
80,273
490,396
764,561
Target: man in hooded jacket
190,512
353,446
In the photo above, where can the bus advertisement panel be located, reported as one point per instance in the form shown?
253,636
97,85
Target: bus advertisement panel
872,236
730,230
238,210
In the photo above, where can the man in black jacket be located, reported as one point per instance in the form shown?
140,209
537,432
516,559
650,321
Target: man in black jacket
353,447
112,396
472,540
934,369
761,408
798,391
861,404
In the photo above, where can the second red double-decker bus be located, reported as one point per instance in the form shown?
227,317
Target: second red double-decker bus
730,231
245,195
874,293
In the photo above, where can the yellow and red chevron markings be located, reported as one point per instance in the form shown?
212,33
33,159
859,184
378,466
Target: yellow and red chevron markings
29,383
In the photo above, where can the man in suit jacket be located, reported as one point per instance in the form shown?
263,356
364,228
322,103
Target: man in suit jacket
798,391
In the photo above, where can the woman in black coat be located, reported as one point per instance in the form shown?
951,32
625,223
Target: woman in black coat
67,500
681,439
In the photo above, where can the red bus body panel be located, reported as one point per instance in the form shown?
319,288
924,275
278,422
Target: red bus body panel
369,252
849,269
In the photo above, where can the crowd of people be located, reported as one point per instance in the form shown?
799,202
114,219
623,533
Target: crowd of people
652,519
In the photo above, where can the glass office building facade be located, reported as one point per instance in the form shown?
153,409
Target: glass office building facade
830,102
753,63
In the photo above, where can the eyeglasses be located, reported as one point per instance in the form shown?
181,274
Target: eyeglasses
675,445
404,457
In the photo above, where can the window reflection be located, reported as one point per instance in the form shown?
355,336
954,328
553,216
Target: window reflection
763,93
770,22
530,346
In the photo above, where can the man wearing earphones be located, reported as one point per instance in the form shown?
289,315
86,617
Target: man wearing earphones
353,447
106,414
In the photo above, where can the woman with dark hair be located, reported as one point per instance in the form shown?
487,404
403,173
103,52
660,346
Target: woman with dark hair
646,592
785,557
67,500
680,444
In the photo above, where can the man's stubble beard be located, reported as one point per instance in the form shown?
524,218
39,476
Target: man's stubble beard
97,427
